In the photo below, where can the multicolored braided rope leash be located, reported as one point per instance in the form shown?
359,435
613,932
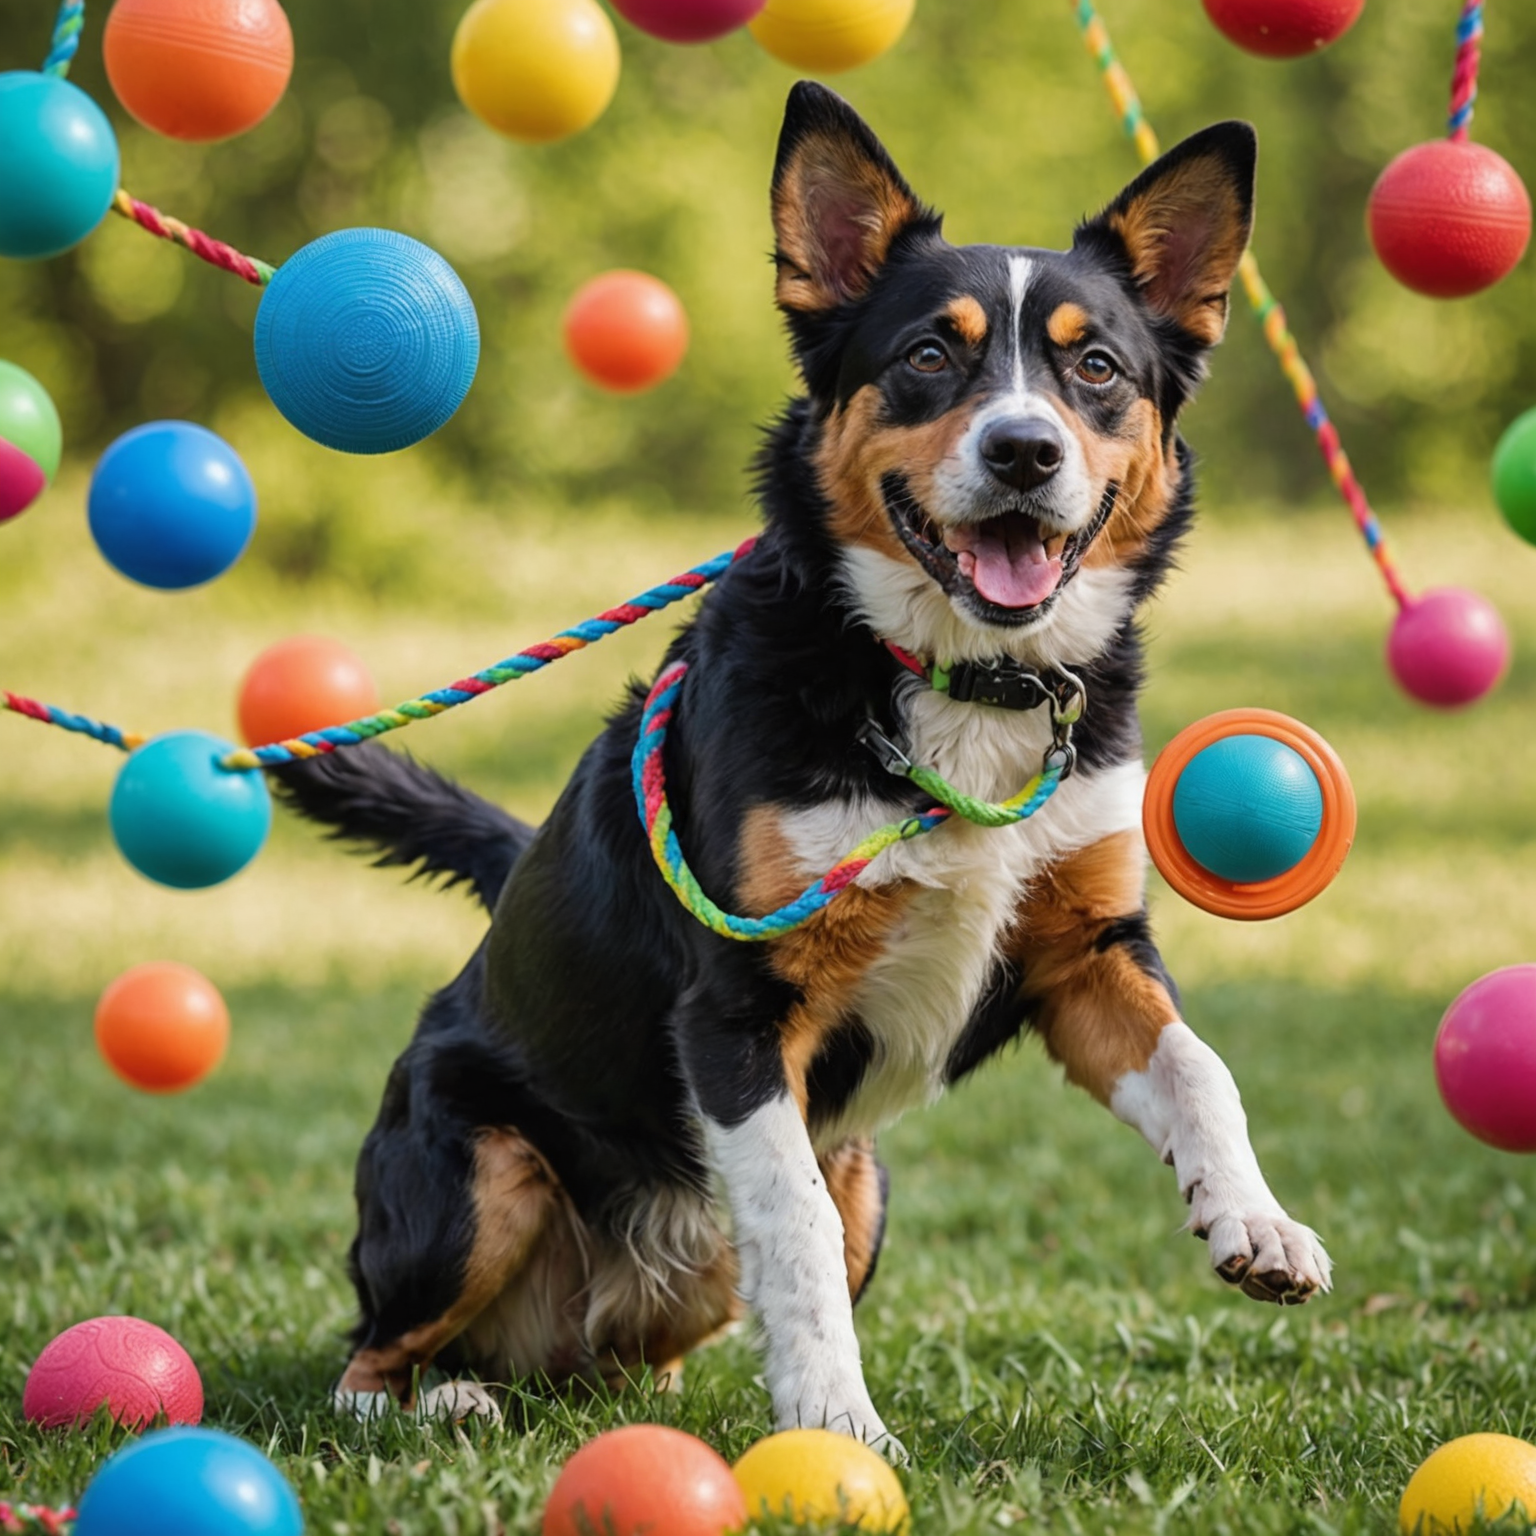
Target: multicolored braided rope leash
24,1519
1265,306
648,772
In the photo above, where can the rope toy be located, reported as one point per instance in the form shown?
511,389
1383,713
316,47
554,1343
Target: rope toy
650,786
17,1519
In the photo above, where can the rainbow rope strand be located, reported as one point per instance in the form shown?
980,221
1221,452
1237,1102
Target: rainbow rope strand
650,786
65,42
1469,54
1265,306
50,714
215,252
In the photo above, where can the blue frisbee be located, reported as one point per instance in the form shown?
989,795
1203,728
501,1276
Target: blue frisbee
1247,808
183,821
366,340
189,1482
171,505
58,165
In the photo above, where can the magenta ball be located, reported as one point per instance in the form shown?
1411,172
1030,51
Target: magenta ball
688,21
134,1370
1448,648
1485,1058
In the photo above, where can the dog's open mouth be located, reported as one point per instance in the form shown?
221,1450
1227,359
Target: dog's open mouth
1007,568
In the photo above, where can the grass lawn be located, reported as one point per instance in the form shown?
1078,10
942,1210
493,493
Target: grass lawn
1052,1349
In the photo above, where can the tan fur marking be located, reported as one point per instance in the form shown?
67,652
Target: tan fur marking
1068,324
968,318
853,1181
1185,236
1098,1012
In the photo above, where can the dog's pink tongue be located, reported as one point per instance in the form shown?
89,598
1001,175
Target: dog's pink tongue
1011,567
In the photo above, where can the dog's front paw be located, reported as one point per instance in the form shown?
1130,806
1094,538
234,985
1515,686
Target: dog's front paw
457,1400
1266,1255
860,1423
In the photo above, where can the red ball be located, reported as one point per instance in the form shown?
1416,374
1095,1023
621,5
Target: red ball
642,1480
1485,1058
1448,648
688,21
300,685
136,1371
1283,29
1448,219
626,330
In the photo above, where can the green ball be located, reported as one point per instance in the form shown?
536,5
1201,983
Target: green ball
1514,476
28,420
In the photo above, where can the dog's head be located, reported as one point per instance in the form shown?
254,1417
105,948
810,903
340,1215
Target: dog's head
994,437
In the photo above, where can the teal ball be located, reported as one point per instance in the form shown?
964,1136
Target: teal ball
183,821
366,340
1247,808
58,165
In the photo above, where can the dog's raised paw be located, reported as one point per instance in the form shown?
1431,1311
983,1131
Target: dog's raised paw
1268,1256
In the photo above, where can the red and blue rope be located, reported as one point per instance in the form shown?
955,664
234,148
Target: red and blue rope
1469,54
16,1519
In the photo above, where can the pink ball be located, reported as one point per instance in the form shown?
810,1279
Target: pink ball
688,21
130,1367
1449,218
1448,647
1485,1058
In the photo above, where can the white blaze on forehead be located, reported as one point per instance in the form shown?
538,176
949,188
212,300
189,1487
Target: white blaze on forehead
1020,269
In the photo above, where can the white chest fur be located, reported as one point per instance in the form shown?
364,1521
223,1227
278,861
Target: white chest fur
917,995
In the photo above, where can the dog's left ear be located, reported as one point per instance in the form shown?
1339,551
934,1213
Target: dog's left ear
1183,226
839,203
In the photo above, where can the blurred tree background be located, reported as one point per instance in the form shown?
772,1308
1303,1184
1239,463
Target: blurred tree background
991,107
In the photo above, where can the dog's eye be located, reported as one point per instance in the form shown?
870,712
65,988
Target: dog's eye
928,357
1095,368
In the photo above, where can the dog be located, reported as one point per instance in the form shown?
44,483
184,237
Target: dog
980,485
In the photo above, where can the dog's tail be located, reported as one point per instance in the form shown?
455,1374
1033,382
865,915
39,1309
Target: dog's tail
389,804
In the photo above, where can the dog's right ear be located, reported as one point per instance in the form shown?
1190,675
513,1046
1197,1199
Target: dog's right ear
839,203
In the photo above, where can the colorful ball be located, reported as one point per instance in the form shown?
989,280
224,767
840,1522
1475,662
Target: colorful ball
535,70
1449,218
162,1027
31,440
301,685
189,1482
626,331
134,1370
644,1478
1448,648
1248,808
829,36
182,820
1514,475
366,340
58,165
688,21
1475,1477
1485,1059
198,69
1283,29
817,1475
171,505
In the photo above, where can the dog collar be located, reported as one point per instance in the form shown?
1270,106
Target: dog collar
1002,682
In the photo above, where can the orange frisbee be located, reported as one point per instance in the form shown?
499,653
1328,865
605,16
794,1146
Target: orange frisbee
1250,902
162,1026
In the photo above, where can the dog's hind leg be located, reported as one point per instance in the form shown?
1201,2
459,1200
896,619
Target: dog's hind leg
860,1187
1096,991
429,1260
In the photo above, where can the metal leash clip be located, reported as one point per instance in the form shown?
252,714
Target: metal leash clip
1068,700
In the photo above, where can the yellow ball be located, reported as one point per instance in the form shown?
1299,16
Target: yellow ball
830,35
535,70
814,1474
1487,1473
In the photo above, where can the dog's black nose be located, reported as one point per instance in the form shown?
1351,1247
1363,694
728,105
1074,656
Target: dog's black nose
1023,451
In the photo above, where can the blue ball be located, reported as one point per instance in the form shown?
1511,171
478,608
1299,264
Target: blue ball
189,1482
182,820
171,505
366,340
1247,808
58,165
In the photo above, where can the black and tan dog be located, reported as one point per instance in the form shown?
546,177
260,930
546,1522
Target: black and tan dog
980,486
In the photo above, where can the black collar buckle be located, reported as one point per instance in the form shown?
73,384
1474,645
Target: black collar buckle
1002,683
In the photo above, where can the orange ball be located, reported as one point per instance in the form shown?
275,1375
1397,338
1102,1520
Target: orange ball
645,1478
626,330
162,1026
303,684
198,69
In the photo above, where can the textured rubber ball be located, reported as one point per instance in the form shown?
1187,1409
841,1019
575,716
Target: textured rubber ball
131,1368
1248,808
58,165
366,340
1449,218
